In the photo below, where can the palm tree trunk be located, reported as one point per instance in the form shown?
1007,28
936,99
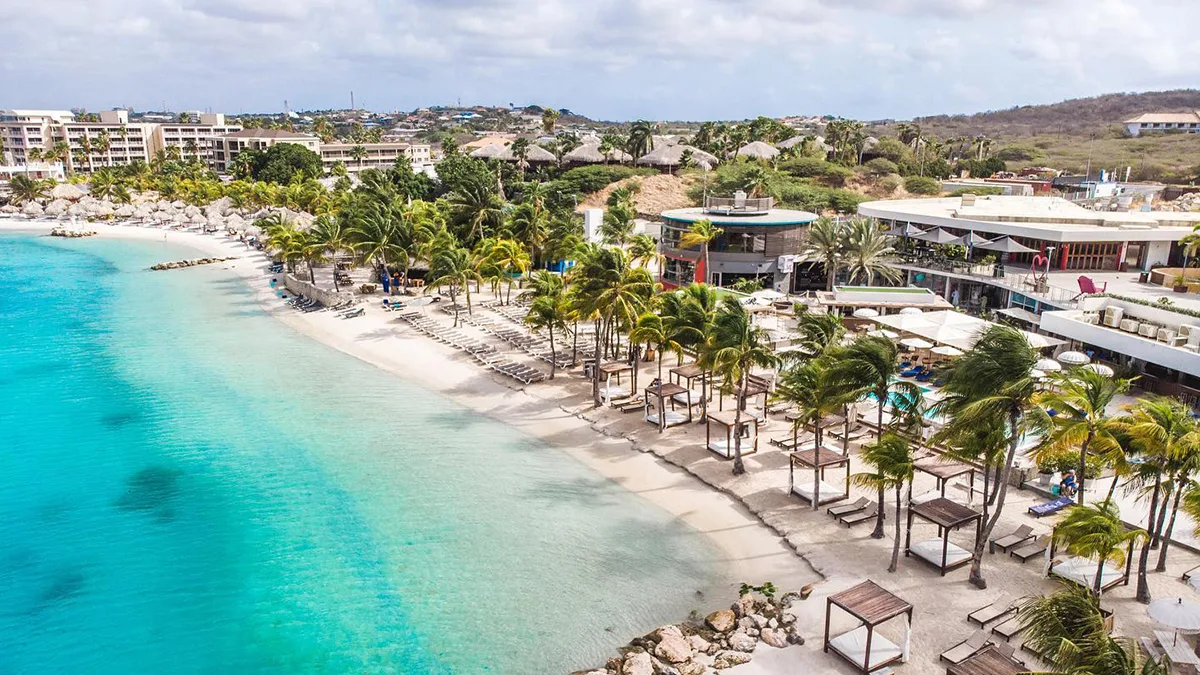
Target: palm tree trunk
1143,585
596,369
1083,462
1112,488
738,467
312,274
976,576
818,438
553,358
1099,577
831,277
1168,489
575,342
1166,538
896,544
707,270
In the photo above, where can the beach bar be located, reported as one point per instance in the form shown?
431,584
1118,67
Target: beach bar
948,516
816,491
872,605
727,420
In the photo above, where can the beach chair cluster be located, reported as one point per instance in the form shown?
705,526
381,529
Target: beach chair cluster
484,353
859,511
534,345
306,304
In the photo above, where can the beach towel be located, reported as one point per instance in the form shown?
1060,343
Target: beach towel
1052,506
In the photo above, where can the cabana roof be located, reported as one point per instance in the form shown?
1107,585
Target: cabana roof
757,150
944,513
614,367
828,457
672,155
689,371
589,153
987,661
870,603
727,417
665,390
940,469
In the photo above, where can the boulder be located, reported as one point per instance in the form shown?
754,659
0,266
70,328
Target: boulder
674,649
747,624
699,644
637,663
759,620
666,631
730,659
742,642
744,605
807,591
721,620
692,668
775,638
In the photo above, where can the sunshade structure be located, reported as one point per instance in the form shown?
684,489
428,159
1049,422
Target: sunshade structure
951,328
948,516
987,661
691,373
871,605
670,156
1074,358
971,240
937,236
589,153
883,333
943,472
947,350
534,154
488,151
1175,613
916,343
610,371
1083,571
1100,369
906,230
1048,365
865,313
1006,245
727,420
814,489
911,310
757,150
657,397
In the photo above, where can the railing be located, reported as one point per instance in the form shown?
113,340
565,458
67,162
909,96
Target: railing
1025,283
734,205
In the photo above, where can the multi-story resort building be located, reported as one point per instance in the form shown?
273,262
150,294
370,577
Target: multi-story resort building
226,147
1186,122
758,241
359,156
194,140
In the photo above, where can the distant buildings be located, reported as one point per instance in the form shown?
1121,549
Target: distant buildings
1187,122
226,147
359,156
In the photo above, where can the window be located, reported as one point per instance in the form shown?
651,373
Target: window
1093,256
679,272
741,242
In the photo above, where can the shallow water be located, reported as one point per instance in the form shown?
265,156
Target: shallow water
188,486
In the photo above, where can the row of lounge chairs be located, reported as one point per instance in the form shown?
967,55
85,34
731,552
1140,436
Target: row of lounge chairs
484,353
533,345
858,511
306,304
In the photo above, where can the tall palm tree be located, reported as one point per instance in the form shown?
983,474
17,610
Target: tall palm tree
701,233
870,364
334,238
866,249
379,236
549,120
641,139
892,460
811,387
549,310
358,153
992,385
819,333
1081,396
662,332
479,206
1096,530
738,346
520,152
26,189
530,225
643,250
696,313
825,244
513,260
455,269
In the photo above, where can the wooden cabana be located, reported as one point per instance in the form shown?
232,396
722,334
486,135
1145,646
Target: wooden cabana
727,420
659,395
948,516
755,387
692,373
610,370
987,661
943,472
817,492
1082,571
872,605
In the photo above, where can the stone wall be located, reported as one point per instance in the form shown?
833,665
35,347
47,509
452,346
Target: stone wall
328,298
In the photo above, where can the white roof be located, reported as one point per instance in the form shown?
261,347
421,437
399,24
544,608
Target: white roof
952,328
1045,218
1192,117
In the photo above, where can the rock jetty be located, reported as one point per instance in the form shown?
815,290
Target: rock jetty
178,264
724,639
71,234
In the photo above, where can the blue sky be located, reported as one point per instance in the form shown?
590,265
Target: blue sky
608,59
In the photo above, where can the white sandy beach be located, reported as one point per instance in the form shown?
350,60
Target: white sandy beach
749,517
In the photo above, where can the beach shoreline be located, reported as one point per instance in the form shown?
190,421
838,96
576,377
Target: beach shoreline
751,550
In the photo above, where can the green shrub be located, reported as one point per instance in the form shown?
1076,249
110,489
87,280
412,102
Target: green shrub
1016,153
892,149
881,167
810,167
922,185
1066,460
589,179
889,183
977,191
845,201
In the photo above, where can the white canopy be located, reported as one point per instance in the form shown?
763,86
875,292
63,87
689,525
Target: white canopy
768,295
951,328
1074,358
947,350
1048,365
1175,613
1101,369
883,333
911,310
916,343
865,313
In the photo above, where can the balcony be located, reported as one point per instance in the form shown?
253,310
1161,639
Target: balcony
738,205
1152,334
1014,278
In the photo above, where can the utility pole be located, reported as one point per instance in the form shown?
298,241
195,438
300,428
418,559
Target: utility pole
352,99
1091,139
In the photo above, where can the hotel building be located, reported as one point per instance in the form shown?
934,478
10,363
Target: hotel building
226,147
374,155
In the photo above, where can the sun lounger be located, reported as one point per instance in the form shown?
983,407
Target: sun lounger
1051,507
1015,538
1008,651
965,649
852,519
843,509
1009,628
1188,574
1035,548
632,405
1000,607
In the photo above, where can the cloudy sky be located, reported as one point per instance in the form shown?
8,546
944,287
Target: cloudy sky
609,59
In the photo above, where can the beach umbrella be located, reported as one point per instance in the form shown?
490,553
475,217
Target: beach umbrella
179,204
9,208
1037,374
1074,358
104,209
1048,365
32,209
883,333
191,211
911,310
916,343
235,223
757,150
125,211
1175,613
57,207
1101,369
865,313
252,231
67,191
768,295
75,209
937,236
946,350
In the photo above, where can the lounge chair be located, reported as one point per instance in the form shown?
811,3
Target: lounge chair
912,372
1000,607
852,519
630,405
1188,574
1035,548
1051,507
1008,629
1015,538
843,509
965,649
1008,651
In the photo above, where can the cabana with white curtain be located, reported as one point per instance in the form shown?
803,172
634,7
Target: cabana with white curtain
871,605
948,516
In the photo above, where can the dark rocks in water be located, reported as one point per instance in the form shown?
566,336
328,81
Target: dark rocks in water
151,489
65,586
118,420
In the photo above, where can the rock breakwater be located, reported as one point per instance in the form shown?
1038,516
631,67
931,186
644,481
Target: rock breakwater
178,264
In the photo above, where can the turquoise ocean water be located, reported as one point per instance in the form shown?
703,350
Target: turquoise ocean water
187,486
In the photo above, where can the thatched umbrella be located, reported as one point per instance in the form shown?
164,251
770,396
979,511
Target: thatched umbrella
75,210
67,191
179,204
198,219
757,150
104,209
252,231
214,223
672,156
589,153
191,210
10,208
124,211
534,153
32,209
235,223
57,207
790,143
219,207
143,210
488,151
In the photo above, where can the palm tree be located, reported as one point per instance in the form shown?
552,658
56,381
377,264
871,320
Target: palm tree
334,238
520,152
86,148
549,120
26,189
662,332
550,310
701,233
696,312
479,206
866,248
1081,396
512,259
1096,530
530,225
811,387
738,346
379,236
454,268
643,250
870,364
819,333
358,153
991,386
825,244
641,139
892,460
